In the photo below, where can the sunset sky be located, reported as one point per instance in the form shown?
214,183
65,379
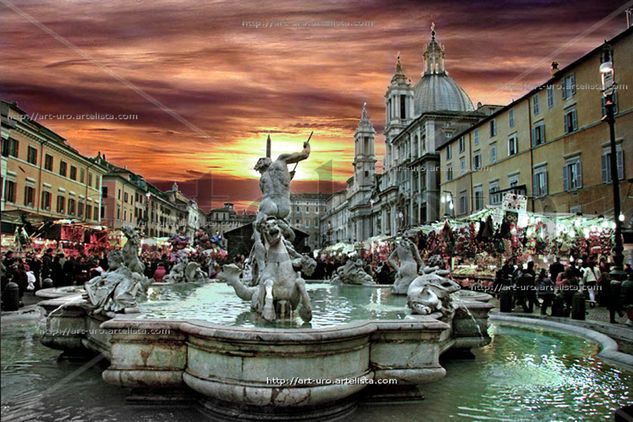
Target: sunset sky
209,80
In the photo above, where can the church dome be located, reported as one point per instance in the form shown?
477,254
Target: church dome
436,91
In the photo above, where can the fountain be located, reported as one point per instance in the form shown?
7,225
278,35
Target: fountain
297,359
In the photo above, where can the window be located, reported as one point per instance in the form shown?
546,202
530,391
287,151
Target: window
125,198
606,163
71,206
478,193
29,196
536,105
538,133
539,185
47,198
571,120
88,211
513,180
80,209
89,179
63,168
73,172
462,166
449,173
61,204
513,145
82,175
511,118
48,162
9,191
568,87
118,194
31,155
449,152
403,106
477,160
493,153
10,147
476,136
495,199
462,145
493,128
572,174
550,96
463,203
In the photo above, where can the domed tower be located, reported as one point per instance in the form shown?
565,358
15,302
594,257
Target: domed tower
436,91
364,154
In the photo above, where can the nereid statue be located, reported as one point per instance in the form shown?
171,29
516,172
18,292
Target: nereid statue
352,272
123,285
405,258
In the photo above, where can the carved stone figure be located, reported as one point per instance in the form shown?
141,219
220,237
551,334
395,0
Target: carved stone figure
277,286
185,271
431,292
275,184
117,290
280,289
405,258
131,249
353,272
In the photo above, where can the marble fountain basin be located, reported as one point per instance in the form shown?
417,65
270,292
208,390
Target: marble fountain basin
362,340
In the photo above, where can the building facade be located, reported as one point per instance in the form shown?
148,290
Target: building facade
418,118
226,218
550,144
43,177
306,210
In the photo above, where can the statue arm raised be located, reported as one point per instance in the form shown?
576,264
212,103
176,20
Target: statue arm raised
296,156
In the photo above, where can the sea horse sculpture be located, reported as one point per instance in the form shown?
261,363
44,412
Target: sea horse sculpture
280,289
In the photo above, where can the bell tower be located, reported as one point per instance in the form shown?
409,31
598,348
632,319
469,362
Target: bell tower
364,153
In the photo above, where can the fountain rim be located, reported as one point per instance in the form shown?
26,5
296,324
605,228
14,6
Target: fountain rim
344,331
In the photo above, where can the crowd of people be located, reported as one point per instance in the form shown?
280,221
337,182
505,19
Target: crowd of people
548,289
553,288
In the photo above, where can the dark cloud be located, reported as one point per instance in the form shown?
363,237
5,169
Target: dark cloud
234,82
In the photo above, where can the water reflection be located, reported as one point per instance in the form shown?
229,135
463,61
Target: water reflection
522,375
217,303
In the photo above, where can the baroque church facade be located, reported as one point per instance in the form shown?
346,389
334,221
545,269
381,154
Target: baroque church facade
418,118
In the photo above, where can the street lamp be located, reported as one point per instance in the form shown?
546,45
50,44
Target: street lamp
609,85
448,200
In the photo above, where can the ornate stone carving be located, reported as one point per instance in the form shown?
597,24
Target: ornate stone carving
405,258
431,292
353,273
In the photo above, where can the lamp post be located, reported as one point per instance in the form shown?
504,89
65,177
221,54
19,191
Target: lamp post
448,200
607,74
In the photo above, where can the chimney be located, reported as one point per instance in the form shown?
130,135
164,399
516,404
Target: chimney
555,68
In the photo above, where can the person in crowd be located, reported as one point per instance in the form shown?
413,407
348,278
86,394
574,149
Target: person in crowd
20,278
57,270
545,287
556,268
526,288
47,264
160,272
590,277
614,302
